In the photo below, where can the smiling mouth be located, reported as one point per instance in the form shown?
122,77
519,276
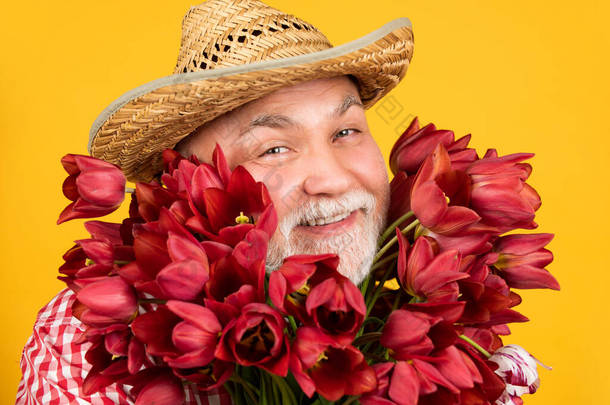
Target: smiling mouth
328,222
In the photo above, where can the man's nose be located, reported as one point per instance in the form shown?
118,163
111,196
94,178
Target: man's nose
327,173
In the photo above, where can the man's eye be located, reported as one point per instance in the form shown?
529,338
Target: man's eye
345,132
275,150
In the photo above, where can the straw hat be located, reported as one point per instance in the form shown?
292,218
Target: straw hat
233,52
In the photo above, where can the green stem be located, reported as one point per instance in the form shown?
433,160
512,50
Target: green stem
381,263
237,379
475,345
365,284
351,400
371,302
390,229
366,338
394,239
396,301
285,390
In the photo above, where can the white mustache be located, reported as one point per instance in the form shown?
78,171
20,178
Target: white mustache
324,208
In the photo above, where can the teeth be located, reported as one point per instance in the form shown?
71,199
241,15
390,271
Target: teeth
329,220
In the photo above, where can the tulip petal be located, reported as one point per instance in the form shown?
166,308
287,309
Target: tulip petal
104,187
183,280
111,297
163,390
404,328
522,244
455,219
135,355
197,315
181,248
320,294
428,203
528,277
105,231
404,385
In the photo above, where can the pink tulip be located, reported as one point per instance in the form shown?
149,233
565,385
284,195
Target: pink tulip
183,280
195,337
499,192
111,297
166,389
96,188
522,258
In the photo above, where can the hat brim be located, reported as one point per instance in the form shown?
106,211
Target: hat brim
134,130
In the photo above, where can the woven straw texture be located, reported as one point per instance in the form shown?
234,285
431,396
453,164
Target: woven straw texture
226,33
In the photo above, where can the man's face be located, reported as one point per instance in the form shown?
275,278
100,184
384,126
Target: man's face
311,146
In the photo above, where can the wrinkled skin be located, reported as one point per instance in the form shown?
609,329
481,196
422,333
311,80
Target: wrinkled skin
306,149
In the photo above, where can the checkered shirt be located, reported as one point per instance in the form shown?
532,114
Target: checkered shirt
54,367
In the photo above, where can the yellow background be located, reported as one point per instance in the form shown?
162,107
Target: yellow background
521,76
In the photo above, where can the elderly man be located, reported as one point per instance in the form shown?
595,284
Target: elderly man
281,101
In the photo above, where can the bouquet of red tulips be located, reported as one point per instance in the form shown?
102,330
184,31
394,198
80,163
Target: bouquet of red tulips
177,294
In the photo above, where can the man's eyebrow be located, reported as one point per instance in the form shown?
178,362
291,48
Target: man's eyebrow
282,121
348,101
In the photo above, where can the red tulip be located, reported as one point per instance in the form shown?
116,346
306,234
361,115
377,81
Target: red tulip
415,144
96,188
178,170
110,297
487,297
500,194
165,389
522,258
426,275
406,333
337,307
426,344
185,277
79,271
239,277
400,197
321,364
195,337
117,342
182,280
104,371
440,194
218,197
151,198
397,383
105,231
154,330
256,338
291,283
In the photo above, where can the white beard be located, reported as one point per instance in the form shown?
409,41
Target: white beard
356,248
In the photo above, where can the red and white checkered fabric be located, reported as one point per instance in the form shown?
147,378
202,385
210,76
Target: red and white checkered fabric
54,367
